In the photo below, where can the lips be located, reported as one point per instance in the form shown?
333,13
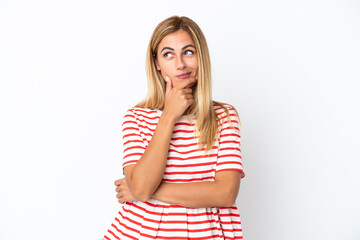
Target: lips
184,75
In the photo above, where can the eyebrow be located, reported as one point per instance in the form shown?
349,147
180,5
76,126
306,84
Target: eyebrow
189,45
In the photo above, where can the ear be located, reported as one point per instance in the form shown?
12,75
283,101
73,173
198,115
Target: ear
157,65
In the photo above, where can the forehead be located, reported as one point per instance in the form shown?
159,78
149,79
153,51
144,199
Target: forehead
176,39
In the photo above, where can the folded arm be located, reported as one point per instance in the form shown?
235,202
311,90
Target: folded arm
222,192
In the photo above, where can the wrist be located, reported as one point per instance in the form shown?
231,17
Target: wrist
168,118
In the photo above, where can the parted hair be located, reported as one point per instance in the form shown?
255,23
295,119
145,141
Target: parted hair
207,124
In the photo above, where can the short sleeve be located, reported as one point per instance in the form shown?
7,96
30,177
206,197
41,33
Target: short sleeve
229,155
133,144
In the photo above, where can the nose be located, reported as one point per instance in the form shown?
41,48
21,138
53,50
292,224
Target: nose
180,63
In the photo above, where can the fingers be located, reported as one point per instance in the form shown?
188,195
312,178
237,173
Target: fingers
187,90
168,84
189,96
187,83
117,182
119,195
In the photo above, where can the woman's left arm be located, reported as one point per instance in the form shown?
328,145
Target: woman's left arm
221,192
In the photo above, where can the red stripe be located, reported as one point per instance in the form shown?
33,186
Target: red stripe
230,155
230,222
138,215
228,208
128,122
190,165
147,123
172,214
229,141
132,154
130,135
183,145
147,127
128,162
184,124
133,147
144,110
232,238
190,151
229,215
183,138
230,128
187,180
130,128
230,135
193,172
113,234
232,230
229,162
194,157
147,117
194,238
225,117
125,234
169,221
229,148
134,222
230,169
163,229
133,141
188,230
183,131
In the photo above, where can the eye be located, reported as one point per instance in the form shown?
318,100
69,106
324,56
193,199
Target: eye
166,55
189,52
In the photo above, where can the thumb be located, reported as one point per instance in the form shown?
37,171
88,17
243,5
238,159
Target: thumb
168,84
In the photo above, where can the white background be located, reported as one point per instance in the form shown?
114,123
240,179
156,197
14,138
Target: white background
70,69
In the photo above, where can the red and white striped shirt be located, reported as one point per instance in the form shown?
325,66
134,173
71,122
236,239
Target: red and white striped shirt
155,219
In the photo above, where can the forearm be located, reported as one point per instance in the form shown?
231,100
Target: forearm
194,195
149,170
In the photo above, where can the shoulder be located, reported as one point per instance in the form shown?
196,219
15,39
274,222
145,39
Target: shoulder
140,112
224,109
227,115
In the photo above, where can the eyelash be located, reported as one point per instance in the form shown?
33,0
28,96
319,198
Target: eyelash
185,52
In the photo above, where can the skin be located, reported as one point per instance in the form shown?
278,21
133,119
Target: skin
176,55
143,180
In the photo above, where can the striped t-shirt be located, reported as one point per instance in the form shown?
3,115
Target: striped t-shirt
155,219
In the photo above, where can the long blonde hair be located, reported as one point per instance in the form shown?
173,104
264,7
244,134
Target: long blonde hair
207,120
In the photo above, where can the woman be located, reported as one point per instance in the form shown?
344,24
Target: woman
182,158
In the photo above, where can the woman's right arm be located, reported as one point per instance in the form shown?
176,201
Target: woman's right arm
144,177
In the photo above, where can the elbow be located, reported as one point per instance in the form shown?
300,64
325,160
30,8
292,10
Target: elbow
140,189
229,198
142,197
141,194
230,203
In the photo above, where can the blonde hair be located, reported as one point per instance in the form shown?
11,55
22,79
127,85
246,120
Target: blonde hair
207,121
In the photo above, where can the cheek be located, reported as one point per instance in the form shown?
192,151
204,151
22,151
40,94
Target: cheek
168,70
193,64
164,66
